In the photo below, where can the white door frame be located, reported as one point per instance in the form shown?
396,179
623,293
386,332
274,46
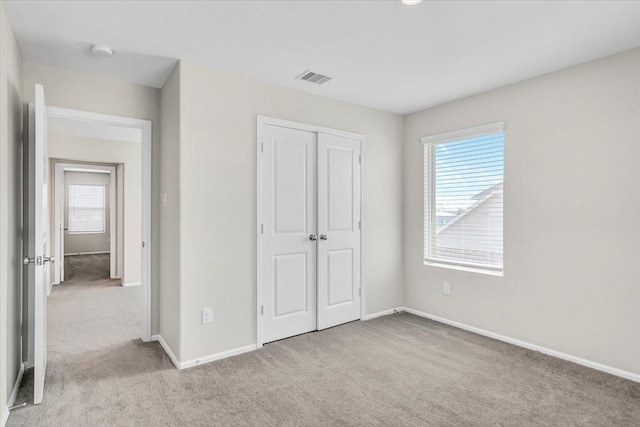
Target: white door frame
145,127
115,245
265,120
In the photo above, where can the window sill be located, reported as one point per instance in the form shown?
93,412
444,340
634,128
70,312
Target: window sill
465,268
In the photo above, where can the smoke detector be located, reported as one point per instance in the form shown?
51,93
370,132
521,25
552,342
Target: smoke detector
311,77
101,50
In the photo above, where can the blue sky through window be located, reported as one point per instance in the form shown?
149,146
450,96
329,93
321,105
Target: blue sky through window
465,168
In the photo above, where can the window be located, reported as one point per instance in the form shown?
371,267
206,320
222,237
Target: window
463,197
86,209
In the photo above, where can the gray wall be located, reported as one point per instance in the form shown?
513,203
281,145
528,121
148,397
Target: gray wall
218,199
92,242
571,225
170,214
89,93
11,123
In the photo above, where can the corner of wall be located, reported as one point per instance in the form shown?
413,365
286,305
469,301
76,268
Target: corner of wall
169,259
11,122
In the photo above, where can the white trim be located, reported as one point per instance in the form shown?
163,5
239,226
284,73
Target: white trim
145,127
201,360
380,313
87,253
88,116
131,284
580,361
119,255
265,120
470,268
217,356
115,245
363,293
440,138
12,397
16,387
259,231
167,349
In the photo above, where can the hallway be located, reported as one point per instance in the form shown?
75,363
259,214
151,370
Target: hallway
93,323
86,268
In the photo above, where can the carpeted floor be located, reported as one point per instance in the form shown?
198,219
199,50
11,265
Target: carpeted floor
390,371
86,268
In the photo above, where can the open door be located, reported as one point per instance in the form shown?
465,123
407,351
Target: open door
37,257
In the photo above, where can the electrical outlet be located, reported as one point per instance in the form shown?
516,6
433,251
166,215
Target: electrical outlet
446,289
207,315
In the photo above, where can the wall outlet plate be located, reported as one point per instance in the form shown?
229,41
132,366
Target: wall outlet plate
446,289
207,315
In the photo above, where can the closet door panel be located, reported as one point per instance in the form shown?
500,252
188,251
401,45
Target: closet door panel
339,230
289,218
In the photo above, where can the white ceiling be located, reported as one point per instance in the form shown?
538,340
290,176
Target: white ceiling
380,53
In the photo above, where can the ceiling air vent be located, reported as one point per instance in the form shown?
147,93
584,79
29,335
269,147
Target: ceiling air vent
311,77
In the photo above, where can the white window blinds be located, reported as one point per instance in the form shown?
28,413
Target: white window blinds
86,209
463,197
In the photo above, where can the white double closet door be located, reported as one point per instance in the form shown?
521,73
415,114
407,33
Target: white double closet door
311,220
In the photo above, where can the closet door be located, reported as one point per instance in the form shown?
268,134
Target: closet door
289,228
338,230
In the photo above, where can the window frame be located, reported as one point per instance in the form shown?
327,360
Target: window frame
429,178
104,209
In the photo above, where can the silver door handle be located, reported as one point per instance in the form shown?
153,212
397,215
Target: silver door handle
313,237
323,237
29,260
49,259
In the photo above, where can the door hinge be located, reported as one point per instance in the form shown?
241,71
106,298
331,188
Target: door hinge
262,147
262,309
143,244
359,225
359,292
360,159
261,228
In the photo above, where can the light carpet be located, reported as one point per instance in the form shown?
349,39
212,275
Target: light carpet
390,371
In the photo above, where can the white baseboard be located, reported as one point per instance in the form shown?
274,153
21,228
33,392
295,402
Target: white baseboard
580,361
201,360
167,349
16,386
380,313
12,396
218,356
87,253
129,285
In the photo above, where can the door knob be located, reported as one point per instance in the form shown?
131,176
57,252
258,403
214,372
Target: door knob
313,237
49,259
323,237
27,260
